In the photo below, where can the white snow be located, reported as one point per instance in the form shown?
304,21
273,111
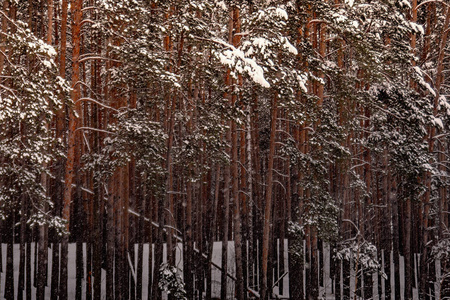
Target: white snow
235,58
417,27
222,5
423,82
302,80
349,2
438,122
281,13
289,46
406,3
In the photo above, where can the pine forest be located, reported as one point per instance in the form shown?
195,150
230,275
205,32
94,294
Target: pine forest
234,149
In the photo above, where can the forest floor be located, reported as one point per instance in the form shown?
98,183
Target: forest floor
217,254
325,291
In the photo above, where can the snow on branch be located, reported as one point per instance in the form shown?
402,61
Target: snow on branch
235,58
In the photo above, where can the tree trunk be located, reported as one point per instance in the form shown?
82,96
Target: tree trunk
141,198
156,292
407,251
28,267
188,258
42,263
23,240
76,12
79,268
110,231
212,226
9,277
5,8
268,203
235,174
225,227
395,240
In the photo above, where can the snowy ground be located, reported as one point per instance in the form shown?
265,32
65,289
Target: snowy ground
71,272
217,254
326,291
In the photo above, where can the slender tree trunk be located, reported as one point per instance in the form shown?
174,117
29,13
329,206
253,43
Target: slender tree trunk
295,243
258,195
409,272
110,241
387,230
156,292
4,25
99,202
55,271
23,240
9,276
126,191
118,227
226,190
281,247
1,254
225,227
150,244
57,265
212,231
43,229
79,267
35,264
141,198
396,239
250,203
28,267
268,203
76,12
42,263
235,174
188,258
131,224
